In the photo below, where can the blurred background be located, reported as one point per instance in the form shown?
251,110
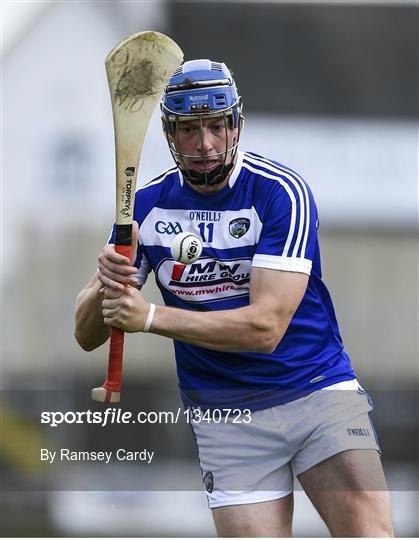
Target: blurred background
330,89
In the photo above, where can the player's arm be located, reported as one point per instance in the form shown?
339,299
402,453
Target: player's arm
259,327
90,330
114,272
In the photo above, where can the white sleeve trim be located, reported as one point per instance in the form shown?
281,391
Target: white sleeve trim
288,264
143,270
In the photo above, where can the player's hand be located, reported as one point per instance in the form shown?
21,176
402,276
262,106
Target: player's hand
126,309
115,270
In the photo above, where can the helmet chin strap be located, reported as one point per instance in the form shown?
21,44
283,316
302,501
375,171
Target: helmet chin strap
216,176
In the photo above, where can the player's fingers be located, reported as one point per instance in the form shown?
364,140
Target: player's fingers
110,311
110,303
110,279
124,269
109,320
118,269
106,314
109,283
110,253
116,275
115,267
111,317
113,293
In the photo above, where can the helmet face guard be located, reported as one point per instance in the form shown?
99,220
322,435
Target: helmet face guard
198,90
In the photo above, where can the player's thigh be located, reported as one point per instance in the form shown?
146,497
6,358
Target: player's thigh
264,519
350,492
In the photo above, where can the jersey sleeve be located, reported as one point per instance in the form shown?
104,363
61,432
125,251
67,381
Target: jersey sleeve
289,232
141,262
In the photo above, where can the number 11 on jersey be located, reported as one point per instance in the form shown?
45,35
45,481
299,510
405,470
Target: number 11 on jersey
210,228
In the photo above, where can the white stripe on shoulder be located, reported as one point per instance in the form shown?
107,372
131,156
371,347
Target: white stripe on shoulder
159,179
291,196
289,173
286,264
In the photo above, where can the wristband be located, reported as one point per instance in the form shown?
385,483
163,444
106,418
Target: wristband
149,319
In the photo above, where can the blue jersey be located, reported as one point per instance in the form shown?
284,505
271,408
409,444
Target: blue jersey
265,217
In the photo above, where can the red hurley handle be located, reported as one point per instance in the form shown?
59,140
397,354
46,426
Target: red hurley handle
110,391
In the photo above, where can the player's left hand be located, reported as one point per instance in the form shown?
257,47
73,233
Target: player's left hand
126,309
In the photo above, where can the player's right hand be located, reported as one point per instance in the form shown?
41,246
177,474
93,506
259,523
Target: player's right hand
115,270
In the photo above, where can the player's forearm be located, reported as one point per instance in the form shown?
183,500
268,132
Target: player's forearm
234,330
90,330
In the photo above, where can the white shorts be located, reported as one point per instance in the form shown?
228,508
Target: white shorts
253,462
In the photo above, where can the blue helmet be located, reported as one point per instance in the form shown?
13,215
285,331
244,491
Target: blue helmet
201,86
200,89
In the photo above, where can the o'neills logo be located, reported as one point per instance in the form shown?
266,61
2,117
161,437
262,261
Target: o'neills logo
127,202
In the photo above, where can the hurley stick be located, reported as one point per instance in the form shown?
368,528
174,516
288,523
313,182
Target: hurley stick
138,69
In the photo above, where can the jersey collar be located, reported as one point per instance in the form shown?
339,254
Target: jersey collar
236,170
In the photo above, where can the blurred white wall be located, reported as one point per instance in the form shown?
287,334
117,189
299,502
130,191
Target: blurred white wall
58,162
363,172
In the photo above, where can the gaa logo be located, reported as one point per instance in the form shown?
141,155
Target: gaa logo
168,228
238,227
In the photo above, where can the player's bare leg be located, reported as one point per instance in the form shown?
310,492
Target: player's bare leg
264,519
350,493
